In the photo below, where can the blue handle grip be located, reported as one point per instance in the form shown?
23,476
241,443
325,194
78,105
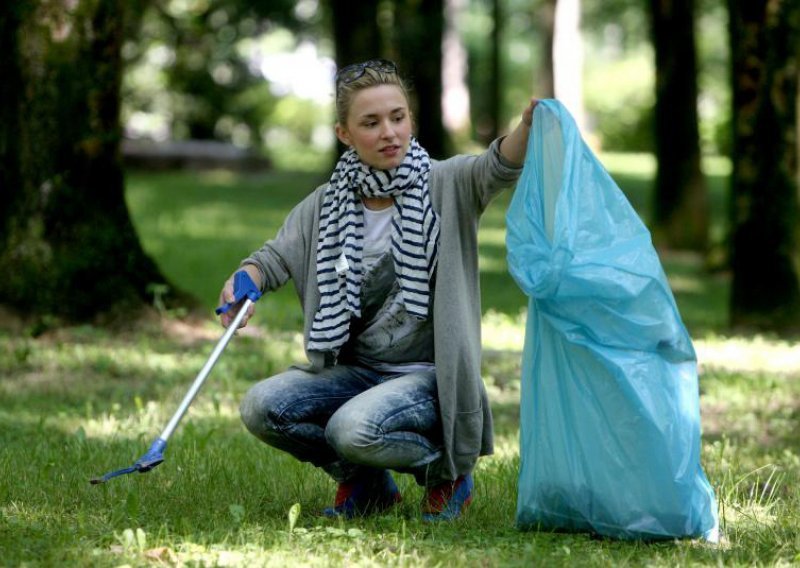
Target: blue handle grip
243,287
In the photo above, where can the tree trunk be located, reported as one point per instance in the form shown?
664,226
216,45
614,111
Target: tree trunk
681,213
11,17
356,38
356,35
546,16
765,53
67,247
419,28
486,76
496,78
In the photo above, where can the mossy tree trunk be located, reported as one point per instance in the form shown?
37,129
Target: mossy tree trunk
681,210
67,244
765,50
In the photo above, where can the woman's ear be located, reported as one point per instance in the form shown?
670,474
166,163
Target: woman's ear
342,134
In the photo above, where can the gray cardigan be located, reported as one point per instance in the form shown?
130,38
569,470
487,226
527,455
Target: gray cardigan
461,188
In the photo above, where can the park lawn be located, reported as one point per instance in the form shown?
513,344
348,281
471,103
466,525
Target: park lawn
79,401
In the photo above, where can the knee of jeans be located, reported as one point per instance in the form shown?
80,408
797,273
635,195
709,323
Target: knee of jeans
254,411
349,434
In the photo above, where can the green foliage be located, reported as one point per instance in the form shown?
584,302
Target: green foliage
623,115
300,135
187,65
713,77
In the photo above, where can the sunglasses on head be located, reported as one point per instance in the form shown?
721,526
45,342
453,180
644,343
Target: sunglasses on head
350,73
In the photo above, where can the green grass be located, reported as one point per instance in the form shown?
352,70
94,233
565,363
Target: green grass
77,402
199,226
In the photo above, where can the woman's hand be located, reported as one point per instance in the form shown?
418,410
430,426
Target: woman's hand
226,296
527,114
514,145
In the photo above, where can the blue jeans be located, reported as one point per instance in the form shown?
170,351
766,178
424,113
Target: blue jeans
351,421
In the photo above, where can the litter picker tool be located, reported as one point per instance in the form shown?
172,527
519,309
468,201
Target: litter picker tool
243,289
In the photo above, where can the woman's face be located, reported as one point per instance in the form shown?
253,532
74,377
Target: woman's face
378,126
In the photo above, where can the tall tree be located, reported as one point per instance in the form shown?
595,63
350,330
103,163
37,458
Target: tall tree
356,34
356,37
765,55
484,70
681,212
496,76
546,16
67,245
417,42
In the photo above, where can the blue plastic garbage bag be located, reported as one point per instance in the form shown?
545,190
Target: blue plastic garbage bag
610,414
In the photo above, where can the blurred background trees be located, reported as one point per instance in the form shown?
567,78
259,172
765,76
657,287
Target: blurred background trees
655,79
681,215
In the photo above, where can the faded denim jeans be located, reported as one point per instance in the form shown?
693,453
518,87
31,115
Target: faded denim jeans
351,421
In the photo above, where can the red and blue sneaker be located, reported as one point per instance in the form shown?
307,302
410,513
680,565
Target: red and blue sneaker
446,501
364,496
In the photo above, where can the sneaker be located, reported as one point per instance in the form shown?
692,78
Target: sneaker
446,501
364,496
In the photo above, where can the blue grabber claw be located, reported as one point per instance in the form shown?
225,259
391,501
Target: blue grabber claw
153,457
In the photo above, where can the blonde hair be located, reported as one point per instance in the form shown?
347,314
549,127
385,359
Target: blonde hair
346,92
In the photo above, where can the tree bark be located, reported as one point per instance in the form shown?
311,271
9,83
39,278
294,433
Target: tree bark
419,29
496,78
356,35
546,13
765,53
681,211
67,247
11,17
356,38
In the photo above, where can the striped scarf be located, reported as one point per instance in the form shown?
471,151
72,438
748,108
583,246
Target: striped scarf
415,235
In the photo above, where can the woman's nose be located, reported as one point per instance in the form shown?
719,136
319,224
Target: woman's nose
387,130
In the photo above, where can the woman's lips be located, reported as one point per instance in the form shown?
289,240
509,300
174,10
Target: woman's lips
390,151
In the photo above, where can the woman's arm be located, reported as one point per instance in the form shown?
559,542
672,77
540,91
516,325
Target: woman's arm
279,259
514,146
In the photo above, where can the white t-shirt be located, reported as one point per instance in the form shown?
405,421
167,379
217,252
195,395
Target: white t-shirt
377,234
